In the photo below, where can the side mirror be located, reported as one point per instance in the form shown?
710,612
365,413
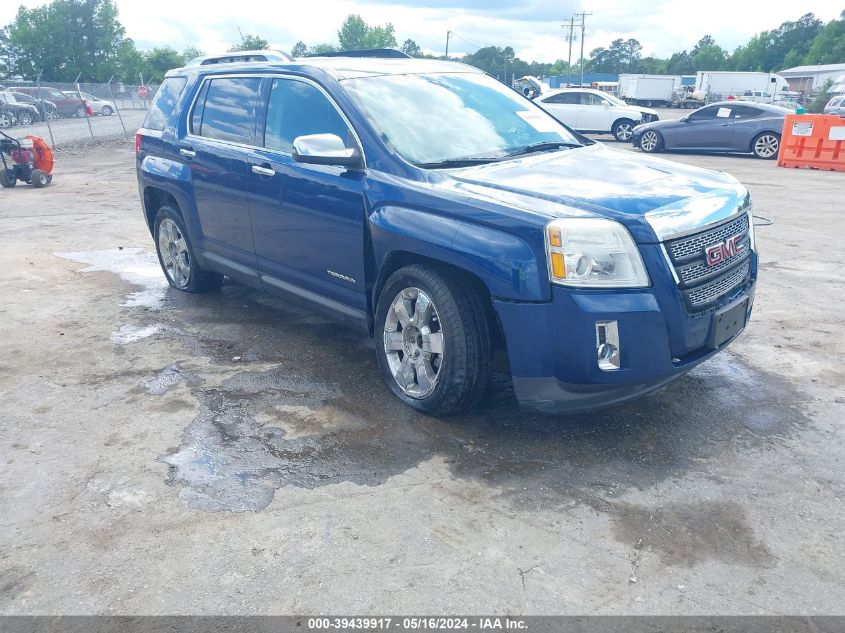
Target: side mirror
325,149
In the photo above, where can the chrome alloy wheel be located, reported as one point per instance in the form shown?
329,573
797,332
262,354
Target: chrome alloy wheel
648,141
766,146
413,342
174,253
624,131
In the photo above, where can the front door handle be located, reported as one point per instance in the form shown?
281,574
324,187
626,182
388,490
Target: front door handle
263,171
188,153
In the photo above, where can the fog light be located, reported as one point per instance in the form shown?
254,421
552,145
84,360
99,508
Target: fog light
607,345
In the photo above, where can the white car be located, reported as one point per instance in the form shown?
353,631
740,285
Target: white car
594,111
98,106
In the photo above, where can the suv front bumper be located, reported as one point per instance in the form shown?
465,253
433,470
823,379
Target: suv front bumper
552,347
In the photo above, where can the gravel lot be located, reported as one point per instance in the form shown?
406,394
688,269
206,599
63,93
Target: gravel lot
163,453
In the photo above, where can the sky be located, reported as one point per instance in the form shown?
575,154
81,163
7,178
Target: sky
532,27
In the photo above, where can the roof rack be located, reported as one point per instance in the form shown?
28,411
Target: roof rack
387,53
235,57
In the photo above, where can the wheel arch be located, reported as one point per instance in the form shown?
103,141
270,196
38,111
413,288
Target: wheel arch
778,133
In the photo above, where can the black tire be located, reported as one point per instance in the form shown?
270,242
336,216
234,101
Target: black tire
49,178
464,364
39,178
5,120
198,279
8,179
766,145
646,144
623,130
106,111
81,112
25,118
52,115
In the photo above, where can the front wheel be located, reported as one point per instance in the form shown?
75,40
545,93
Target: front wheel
8,179
81,112
623,130
766,145
432,340
651,141
52,115
25,118
39,178
176,255
5,120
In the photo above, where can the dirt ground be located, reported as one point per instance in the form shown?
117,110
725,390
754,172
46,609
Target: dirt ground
163,453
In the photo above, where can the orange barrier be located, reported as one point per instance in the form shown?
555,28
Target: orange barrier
813,141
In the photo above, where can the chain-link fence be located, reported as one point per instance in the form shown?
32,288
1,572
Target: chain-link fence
69,113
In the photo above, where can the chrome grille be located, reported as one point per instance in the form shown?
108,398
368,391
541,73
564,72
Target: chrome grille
710,292
695,244
703,286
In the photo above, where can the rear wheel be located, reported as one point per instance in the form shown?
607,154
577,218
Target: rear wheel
24,118
7,179
81,112
5,120
52,115
766,145
432,340
39,178
106,111
622,130
651,141
176,255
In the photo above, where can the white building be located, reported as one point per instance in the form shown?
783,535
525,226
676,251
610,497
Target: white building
808,79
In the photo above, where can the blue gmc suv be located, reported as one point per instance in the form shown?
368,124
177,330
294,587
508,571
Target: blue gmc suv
448,216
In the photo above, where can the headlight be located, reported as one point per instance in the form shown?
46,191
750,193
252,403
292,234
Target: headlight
593,253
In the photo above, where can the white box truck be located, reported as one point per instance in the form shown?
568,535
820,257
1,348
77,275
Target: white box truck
719,85
648,90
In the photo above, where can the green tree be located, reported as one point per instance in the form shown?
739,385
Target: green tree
299,49
130,62
410,47
828,47
64,39
707,55
158,61
820,100
250,42
191,52
355,35
326,47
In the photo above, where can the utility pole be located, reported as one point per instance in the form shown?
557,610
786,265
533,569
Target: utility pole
569,59
583,28
448,34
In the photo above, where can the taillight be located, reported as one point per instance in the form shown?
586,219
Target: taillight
137,144
88,109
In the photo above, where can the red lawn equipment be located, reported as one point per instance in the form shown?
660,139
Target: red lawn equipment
29,159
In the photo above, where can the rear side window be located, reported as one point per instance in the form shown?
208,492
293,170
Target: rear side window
297,108
745,112
225,109
164,102
563,97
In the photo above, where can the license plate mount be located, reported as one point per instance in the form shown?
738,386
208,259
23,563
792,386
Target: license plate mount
727,323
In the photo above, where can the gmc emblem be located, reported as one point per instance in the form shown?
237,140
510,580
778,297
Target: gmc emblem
723,251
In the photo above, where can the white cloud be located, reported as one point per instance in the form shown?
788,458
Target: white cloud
532,27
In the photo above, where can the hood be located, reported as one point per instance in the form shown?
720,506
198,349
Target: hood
596,181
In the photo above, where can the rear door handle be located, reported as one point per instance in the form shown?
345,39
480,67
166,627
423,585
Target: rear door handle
263,171
188,153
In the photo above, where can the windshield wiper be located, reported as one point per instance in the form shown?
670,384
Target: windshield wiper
460,162
543,146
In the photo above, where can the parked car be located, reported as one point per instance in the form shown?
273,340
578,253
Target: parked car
836,106
66,106
14,113
47,110
594,111
729,126
97,105
446,216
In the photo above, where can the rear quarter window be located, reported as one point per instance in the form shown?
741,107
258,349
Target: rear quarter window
164,102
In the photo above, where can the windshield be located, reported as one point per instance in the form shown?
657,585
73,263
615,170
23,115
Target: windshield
437,118
613,99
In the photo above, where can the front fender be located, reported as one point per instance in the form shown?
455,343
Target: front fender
506,264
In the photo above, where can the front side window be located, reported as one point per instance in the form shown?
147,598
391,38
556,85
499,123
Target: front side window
164,102
296,108
228,110
435,118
